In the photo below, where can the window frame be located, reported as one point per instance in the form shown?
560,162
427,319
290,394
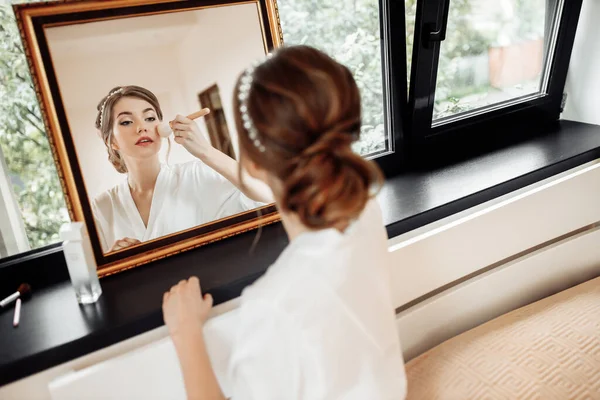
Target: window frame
392,21
426,139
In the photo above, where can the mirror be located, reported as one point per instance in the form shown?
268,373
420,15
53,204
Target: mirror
108,74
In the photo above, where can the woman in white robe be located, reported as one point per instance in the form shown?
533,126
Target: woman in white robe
320,323
157,199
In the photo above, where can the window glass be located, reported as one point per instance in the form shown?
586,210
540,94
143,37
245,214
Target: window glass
32,201
494,52
348,30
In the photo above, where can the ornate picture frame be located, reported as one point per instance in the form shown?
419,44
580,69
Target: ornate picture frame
33,19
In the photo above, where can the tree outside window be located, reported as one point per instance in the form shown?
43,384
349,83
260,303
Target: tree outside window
24,142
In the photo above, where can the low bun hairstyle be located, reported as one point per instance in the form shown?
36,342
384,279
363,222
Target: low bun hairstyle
306,109
105,119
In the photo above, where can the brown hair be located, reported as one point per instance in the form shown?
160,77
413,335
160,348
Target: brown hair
105,121
306,109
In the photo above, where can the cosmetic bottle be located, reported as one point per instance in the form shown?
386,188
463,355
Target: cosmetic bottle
80,262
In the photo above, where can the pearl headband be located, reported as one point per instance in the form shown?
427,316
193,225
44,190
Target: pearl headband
243,93
111,94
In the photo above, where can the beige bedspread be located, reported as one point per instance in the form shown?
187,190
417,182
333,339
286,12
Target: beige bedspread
546,350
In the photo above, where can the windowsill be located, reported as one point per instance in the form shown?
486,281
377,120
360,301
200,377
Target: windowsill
54,329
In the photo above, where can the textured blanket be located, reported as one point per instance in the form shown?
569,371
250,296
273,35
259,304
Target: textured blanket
546,350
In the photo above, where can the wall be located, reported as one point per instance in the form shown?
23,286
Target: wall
244,45
188,53
486,261
583,80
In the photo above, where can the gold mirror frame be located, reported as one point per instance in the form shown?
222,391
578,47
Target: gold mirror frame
32,18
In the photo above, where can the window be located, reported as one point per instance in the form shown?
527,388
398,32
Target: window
494,53
13,237
471,66
349,31
482,61
27,167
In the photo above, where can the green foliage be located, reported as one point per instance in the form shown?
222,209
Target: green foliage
348,30
24,141
530,20
465,40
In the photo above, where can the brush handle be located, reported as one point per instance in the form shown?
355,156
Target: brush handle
193,116
198,114
17,316
9,299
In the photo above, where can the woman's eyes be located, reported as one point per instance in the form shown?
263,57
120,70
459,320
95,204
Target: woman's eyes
127,122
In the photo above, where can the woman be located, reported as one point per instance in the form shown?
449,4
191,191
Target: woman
320,323
157,199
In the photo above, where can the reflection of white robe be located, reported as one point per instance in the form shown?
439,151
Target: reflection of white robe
185,196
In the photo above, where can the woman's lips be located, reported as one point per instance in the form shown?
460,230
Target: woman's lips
144,141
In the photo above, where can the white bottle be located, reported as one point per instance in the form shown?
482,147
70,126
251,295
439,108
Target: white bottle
80,262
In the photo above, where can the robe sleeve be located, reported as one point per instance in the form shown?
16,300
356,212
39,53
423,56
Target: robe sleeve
221,198
99,228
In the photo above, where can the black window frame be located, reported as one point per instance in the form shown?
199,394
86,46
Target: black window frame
392,20
416,142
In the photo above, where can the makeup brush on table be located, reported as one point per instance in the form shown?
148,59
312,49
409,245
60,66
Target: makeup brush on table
166,128
23,292
17,316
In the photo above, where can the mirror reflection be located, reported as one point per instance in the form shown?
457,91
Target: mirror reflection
120,80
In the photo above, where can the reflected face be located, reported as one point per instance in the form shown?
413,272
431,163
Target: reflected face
134,128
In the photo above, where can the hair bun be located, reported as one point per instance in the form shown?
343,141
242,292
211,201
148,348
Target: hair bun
330,142
305,113
329,184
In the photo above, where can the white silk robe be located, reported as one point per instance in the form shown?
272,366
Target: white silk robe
185,196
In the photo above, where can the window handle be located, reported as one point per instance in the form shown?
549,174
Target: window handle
439,34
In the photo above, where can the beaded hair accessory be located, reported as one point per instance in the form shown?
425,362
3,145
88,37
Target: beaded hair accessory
111,94
243,93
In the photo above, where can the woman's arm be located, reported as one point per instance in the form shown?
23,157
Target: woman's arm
229,168
185,311
188,134
198,376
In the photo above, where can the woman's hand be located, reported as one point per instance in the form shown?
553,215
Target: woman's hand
188,134
124,243
185,309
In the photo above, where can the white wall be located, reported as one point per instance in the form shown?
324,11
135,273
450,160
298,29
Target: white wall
583,80
535,242
188,53
227,28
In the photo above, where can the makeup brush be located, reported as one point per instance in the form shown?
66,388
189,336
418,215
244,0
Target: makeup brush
17,316
24,292
166,128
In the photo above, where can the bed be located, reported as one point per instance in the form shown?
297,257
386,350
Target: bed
549,349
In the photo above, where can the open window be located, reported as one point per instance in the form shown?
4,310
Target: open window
364,35
441,76
482,67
